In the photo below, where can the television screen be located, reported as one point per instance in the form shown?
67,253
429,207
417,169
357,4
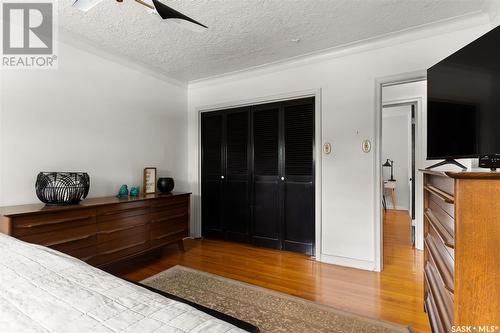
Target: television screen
463,108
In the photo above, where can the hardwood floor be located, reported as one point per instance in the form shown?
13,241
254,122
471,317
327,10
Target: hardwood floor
394,295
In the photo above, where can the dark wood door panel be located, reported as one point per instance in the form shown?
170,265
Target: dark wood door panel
299,212
211,208
237,210
266,210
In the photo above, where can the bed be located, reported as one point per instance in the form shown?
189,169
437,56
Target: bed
42,290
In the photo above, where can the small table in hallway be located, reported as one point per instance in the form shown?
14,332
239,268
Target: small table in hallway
391,186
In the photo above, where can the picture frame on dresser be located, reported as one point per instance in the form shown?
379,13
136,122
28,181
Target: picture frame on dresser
149,182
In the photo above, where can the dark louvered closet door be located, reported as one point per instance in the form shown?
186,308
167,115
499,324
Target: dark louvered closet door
212,173
298,220
267,205
258,175
236,190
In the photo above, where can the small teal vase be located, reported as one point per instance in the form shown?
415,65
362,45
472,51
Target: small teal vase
123,192
134,191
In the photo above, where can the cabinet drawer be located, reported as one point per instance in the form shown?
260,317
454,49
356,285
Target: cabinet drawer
172,213
434,319
86,254
110,227
123,210
68,238
169,231
446,207
445,184
120,244
47,222
443,300
440,257
109,240
169,203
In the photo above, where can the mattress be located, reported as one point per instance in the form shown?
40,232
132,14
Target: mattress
42,290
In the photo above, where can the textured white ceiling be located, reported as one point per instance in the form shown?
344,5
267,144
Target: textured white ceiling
245,33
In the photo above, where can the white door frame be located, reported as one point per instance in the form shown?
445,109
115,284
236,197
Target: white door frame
317,151
377,170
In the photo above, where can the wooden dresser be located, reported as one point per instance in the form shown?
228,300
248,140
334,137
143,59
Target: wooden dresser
462,250
105,230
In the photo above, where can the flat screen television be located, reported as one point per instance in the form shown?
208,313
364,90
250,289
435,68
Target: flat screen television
463,108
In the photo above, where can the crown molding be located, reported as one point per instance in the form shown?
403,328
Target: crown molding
463,22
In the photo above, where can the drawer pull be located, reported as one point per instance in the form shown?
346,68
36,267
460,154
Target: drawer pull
172,217
446,197
448,238
169,234
123,248
441,266
440,296
69,240
59,221
118,211
121,229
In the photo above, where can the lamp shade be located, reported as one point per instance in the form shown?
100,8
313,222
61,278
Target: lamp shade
387,163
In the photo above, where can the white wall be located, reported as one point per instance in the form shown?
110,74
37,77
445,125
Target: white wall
347,79
93,115
396,146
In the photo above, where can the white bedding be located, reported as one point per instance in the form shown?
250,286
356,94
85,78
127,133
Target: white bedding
42,290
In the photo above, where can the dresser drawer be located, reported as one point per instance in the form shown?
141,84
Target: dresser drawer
435,321
167,231
86,254
111,227
445,184
66,238
446,207
441,259
123,243
49,222
122,210
443,299
170,203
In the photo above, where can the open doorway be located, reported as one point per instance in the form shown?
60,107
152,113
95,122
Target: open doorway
398,172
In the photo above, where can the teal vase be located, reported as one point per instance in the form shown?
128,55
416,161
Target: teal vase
134,191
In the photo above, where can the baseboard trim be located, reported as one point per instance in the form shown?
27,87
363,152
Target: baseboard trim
348,262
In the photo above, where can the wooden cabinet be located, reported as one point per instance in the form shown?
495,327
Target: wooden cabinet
462,261
102,231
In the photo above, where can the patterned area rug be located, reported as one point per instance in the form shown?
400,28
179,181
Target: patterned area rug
269,310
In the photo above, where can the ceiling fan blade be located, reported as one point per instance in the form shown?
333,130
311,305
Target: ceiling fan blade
85,5
166,13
